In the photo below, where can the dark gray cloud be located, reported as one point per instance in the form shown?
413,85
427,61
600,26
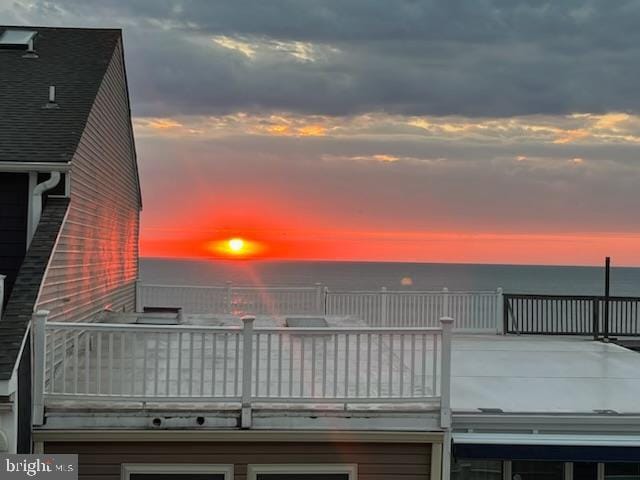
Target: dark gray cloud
476,58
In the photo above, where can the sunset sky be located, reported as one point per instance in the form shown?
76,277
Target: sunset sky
485,131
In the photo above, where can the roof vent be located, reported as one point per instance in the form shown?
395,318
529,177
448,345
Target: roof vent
306,322
13,39
51,103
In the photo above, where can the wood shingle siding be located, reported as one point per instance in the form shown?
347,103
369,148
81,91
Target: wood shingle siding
95,263
376,461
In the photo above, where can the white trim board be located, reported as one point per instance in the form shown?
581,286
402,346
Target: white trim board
175,469
302,468
547,439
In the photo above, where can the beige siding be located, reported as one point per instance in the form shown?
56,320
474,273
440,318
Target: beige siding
376,461
95,263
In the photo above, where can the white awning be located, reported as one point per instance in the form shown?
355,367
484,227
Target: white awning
547,439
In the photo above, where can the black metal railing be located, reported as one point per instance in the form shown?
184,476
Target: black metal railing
597,316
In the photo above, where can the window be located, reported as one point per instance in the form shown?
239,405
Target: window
585,471
537,470
302,472
476,470
159,471
622,471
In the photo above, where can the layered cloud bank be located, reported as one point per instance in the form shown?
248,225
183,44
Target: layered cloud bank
437,131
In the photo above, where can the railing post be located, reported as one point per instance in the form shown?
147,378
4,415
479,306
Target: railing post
139,305
2,277
595,314
445,373
229,297
247,370
499,311
325,300
319,300
38,338
445,394
383,306
445,302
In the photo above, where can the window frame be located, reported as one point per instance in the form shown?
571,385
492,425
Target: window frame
176,469
350,469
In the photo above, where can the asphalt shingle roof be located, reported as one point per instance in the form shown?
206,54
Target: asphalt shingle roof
19,308
74,61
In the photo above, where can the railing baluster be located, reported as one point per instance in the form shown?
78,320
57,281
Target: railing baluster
357,365
52,353
346,365
302,338
226,364
110,367
268,364
144,366
313,366
202,364
237,363
390,365
98,361
64,363
179,351
324,366
122,360
369,370
214,364
279,365
335,365
86,362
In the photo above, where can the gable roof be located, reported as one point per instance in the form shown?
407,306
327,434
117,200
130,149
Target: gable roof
71,59
19,309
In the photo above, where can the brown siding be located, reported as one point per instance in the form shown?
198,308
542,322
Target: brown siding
376,461
95,263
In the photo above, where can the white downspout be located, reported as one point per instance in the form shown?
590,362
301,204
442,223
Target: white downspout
36,203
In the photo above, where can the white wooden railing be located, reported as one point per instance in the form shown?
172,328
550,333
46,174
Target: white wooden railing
232,299
131,362
473,311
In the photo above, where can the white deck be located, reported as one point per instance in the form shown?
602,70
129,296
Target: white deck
545,375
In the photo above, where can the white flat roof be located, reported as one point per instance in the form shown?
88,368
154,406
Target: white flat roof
542,374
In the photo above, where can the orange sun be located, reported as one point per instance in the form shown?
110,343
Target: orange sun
235,247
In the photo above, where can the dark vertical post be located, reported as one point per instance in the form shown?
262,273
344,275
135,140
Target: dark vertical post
505,314
595,310
607,271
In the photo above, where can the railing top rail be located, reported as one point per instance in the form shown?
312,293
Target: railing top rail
412,292
141,327
235,287
160,285
274,288
348,330
534,296
237,329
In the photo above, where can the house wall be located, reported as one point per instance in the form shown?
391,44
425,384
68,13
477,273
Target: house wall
95,264
14,199
376,461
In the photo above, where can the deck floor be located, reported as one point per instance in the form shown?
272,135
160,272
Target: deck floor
543,374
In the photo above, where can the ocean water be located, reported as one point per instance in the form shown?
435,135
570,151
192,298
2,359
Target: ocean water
565,280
